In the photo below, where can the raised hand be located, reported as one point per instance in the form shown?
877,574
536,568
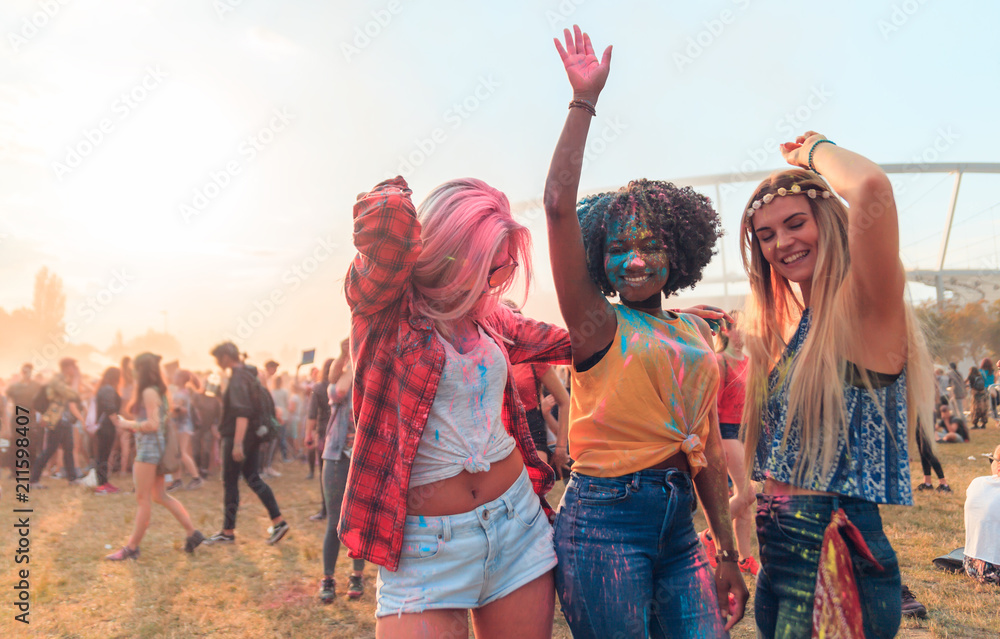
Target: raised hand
586,75
797,153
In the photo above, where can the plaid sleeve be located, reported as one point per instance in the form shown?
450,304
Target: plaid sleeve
387,236
533,341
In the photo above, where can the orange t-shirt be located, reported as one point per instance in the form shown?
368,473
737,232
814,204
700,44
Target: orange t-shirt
651,395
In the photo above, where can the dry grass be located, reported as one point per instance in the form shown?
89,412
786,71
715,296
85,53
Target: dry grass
254,590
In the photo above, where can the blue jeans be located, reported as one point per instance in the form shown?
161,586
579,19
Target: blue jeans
790,532
630,564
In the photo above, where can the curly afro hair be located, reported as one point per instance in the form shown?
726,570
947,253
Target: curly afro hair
683,218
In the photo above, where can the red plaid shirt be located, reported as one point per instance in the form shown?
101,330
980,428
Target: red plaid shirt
398,362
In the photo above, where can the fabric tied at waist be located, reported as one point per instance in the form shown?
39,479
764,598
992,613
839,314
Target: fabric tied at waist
837,608
476,464
693,447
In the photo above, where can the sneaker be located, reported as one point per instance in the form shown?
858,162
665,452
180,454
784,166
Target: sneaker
944,488
194,540
749,566
195,483
320,516
709,543
912,607
272,472
106,489
923,487
123,554
326,590
277,532
220,538
174,485
355,587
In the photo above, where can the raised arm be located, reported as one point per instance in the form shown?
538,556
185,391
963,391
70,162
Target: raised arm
387,236
873,225
588,314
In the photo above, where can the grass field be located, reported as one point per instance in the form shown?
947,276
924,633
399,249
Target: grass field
250,589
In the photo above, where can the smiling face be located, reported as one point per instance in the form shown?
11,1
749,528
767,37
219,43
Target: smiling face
789,237
635,260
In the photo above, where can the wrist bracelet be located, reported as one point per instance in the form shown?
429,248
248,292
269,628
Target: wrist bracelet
812,149
727,555
586,105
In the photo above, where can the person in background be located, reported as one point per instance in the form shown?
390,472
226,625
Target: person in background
336,462
125,436
319,419
109,404
986,370
206,413
982,525
929,460
942,380
22,393
732,389
150,408
63,411
957,386
241,447
280,396
951,429
977,385
181,413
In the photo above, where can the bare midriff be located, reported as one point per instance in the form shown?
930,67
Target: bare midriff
774,487
465,491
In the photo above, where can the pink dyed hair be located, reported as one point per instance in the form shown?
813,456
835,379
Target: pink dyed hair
464,222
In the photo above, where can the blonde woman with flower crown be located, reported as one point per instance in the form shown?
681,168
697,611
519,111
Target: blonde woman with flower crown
838,374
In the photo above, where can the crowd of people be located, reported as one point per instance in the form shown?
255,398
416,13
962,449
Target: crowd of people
448,415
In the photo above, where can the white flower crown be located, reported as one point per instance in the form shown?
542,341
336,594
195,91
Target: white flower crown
794,190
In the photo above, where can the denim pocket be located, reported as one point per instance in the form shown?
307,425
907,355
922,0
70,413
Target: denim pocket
603,494
800,527
421,546
529,515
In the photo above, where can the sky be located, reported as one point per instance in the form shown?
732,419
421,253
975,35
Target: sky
192,164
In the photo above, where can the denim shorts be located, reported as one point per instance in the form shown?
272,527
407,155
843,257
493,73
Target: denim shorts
148,447
471,559
790,530
630,563
729,431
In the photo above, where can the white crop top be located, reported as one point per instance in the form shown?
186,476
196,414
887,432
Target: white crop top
464,428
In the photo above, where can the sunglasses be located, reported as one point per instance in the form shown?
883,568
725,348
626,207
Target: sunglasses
991,458
499,275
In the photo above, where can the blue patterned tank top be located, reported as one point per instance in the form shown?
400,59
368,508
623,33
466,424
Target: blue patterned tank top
873,464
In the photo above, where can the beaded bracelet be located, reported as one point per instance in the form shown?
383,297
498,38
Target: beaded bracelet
586,105
813,148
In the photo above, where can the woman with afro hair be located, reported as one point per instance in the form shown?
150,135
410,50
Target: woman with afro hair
644,429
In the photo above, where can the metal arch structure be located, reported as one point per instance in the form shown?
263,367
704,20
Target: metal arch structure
965,285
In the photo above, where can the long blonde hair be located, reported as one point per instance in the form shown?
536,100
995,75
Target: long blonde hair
773,311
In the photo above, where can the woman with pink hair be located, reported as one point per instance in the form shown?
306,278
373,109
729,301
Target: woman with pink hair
445,485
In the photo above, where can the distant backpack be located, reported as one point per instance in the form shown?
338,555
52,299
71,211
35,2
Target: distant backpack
263,411
978,384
